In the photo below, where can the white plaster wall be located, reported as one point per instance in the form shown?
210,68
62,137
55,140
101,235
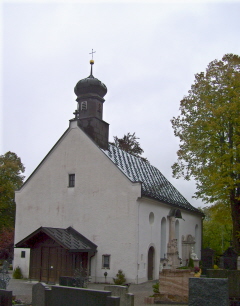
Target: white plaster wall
188,227
102,206
150,234
23,263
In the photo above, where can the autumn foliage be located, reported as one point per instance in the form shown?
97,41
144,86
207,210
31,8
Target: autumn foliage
6,243
11,179
209,131
130,144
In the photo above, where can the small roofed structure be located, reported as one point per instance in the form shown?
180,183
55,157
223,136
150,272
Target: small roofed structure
57,252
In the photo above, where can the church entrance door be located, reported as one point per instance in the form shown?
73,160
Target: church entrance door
150,263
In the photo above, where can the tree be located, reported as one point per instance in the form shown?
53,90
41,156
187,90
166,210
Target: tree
209,132
129,143
6,243
217,227
11,179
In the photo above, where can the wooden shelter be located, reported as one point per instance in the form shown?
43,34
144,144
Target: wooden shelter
57,252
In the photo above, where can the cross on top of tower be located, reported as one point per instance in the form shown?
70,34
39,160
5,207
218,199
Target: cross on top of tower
92,61
92,53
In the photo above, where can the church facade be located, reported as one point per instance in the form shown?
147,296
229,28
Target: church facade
89,205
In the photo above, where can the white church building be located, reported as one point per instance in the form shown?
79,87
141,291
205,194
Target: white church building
89,204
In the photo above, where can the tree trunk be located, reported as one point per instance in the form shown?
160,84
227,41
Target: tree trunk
235,210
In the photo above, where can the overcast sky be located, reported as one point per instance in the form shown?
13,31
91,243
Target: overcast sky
147,54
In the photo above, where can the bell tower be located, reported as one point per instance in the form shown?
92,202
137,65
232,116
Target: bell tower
90,92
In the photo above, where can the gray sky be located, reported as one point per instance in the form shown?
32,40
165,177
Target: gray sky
146,54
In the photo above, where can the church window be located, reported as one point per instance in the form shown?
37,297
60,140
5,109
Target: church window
84,105
106,261
151,217
23,254
71,180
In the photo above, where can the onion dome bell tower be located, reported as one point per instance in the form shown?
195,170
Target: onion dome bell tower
90,92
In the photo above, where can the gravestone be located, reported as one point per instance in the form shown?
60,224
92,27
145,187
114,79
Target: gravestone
238,263
5,298
233,277
208,292
2,284
207,258
40,295
113,301
229,259
4,280
62,296
126,299
5,267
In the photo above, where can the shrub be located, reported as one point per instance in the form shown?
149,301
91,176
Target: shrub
190,263
17,273
183,268
156,288
120,278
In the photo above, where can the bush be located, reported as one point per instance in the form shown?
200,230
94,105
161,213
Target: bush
120,278
183,268
156,288
17,273
190,263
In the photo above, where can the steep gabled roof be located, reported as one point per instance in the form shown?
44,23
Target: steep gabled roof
68,238
154,183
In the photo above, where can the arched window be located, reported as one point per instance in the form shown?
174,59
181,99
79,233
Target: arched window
151,217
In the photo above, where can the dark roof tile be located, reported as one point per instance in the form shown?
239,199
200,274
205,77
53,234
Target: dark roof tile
68,238
154,184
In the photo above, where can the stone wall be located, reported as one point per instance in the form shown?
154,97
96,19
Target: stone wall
174,282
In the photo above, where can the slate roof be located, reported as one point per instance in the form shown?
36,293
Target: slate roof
68,238
154,183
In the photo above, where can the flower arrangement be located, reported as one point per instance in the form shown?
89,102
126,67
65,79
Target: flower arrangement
17,302
196,269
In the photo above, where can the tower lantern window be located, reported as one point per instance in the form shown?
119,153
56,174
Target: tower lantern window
84,105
